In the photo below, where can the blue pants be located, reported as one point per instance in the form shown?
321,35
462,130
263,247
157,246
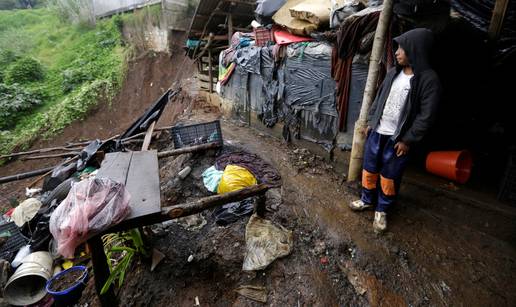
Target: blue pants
381,165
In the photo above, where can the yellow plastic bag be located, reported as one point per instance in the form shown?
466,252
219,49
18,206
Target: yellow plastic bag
235,178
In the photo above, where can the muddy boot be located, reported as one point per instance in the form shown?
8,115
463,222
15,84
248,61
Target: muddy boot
359,205
380,222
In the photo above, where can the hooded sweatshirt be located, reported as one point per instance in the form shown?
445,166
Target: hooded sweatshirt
418,113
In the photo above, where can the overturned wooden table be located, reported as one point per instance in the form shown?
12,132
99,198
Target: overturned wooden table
140,173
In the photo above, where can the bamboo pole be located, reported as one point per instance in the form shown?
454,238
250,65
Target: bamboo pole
25,175
497,19
66,154
357,151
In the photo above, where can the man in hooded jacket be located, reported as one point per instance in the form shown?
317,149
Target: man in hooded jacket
400,116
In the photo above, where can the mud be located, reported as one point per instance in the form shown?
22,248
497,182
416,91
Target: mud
437,252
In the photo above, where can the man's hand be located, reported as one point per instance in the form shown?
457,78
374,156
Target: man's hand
366,130
401,149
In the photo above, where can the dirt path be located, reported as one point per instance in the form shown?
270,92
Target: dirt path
423,259
426,258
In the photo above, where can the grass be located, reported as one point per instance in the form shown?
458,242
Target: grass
81,65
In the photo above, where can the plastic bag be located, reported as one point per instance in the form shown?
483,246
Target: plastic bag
232,212
22,253
264,242
211,178
235,178
26,211
92,205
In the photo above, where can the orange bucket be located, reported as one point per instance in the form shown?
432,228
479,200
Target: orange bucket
454,165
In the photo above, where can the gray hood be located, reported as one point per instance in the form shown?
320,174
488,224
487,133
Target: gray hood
417,44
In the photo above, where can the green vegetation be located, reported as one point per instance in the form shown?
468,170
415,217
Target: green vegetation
53,72
121,248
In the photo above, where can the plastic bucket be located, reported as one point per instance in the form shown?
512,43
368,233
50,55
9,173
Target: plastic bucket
73,293
454,165
27,285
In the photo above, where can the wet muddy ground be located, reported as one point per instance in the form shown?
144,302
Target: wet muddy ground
438,251
425,259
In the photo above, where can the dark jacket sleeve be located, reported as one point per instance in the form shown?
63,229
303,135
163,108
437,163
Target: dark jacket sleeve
374,105
429,100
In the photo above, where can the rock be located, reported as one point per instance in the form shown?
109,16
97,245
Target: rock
320,248
184,172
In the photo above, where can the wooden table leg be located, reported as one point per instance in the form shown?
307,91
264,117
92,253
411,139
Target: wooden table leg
260,208
101,272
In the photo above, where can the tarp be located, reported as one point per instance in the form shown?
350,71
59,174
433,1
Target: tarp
308,82
268,7
294,25
283,37
316,12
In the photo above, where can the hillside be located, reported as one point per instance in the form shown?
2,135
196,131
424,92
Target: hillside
53,72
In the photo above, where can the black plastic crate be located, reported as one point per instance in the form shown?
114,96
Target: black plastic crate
16,241
197,134
508,186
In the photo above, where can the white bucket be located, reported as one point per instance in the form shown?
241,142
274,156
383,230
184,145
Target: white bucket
27,285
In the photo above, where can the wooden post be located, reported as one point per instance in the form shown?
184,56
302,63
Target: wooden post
101,272
496,25
230,28
210,72
357,151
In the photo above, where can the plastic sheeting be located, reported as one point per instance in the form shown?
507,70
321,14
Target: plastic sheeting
301,82
356,93
268,7
235,178
310,88
296,26
92,205
25,211
479,14
347,9
313,11
211,178
232,212
265,242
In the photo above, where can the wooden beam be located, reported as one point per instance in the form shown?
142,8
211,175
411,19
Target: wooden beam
230,28
206,47
25,175
202,204
210,70
496,25
180,151
148,136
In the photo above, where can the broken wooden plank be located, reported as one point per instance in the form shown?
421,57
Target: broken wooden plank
66,154
212,201
148,136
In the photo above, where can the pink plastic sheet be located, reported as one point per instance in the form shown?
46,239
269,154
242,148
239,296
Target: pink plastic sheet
92,206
